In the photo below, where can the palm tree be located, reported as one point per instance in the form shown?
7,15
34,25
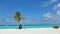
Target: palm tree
18,18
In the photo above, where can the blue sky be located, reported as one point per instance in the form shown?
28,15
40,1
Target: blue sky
36,12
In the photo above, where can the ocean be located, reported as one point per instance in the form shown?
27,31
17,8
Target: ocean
16,27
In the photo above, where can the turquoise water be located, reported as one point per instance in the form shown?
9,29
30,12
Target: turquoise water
16,27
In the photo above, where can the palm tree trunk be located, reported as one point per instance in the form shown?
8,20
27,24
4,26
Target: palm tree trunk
20,25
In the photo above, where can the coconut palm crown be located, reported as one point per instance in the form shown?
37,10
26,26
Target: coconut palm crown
18,16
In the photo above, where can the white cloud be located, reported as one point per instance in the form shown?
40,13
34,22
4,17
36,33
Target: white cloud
48,15
48,3
58,4
56,7
52,19
58,13
53,0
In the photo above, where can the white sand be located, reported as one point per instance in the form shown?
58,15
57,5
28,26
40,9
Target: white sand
30,31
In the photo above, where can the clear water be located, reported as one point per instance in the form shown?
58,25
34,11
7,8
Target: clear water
16,27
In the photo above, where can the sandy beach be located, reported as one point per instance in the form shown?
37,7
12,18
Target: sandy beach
30,31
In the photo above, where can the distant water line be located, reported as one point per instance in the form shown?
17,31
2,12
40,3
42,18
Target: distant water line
16,27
